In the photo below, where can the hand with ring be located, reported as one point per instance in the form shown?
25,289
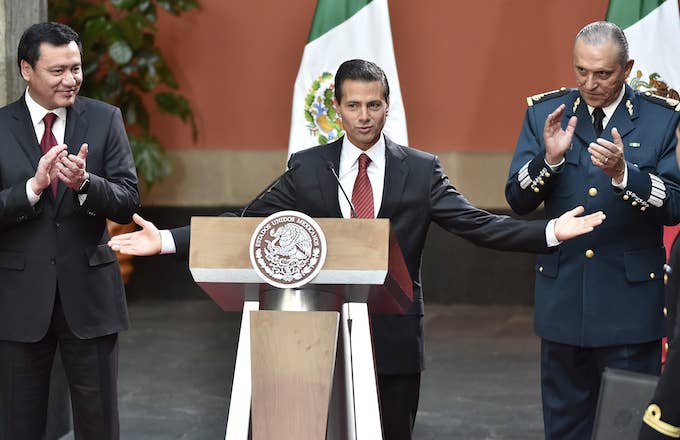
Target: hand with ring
602,150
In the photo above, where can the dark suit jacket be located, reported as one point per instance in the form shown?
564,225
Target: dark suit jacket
613,294
60,244
416,192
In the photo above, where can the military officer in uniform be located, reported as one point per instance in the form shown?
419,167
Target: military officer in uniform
662,417
598,298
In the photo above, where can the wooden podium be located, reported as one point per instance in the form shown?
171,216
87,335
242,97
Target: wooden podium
294,377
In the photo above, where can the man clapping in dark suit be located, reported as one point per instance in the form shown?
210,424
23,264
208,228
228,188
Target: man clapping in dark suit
383,180
65,167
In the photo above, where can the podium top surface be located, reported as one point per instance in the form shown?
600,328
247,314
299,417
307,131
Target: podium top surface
358,250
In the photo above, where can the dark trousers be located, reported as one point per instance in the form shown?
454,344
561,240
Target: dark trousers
91,367
399,394
570,382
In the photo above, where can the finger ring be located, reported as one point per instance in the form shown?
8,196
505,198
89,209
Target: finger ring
605,160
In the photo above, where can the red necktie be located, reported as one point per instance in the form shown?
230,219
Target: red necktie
48,141
362,194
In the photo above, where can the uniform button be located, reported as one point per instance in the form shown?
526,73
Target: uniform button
652,276
590,253
634,203
546,175
58,224
665,312
643,208
592,192
540,269
536,189
53,261
626,197
541,182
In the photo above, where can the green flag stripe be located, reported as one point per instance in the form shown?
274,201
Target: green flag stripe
626,12
330,13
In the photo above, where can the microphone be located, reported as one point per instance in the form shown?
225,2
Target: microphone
268,188
331,168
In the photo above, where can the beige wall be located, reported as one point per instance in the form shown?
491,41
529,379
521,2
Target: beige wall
465,70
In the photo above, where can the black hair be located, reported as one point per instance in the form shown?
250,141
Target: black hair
360,70
56,34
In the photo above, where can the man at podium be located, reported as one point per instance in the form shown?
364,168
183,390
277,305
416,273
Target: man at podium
384,180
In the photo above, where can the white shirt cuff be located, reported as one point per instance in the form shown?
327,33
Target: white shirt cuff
33,198
167,242
555,168
624,182
550,237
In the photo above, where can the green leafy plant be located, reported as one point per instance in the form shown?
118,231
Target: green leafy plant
121,65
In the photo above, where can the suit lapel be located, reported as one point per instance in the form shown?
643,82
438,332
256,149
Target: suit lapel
584,126
396,172
24,133
74,136
327,183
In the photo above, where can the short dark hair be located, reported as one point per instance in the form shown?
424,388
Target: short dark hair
56,34
360,70
599,32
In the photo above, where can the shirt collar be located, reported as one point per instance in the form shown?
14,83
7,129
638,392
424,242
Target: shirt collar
609,110
38,112
350,153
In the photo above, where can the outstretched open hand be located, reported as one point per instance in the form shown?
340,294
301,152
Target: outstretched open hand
570,225
144,242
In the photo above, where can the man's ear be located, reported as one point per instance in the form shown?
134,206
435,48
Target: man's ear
26,70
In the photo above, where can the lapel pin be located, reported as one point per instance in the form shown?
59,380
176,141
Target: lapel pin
634,144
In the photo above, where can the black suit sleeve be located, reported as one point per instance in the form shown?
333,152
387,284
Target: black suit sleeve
14,206
114,194
452,211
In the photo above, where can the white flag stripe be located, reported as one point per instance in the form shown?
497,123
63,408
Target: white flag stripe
366,35
654,43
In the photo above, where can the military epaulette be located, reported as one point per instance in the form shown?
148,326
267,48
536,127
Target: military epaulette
531,100
662,100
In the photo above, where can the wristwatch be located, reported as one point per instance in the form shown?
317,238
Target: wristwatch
85,185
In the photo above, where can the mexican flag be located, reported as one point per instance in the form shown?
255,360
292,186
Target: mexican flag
342,30
652,28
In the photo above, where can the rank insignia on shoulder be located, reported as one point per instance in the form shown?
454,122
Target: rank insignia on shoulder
531,100
662,100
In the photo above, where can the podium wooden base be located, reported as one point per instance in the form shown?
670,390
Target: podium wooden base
309,374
